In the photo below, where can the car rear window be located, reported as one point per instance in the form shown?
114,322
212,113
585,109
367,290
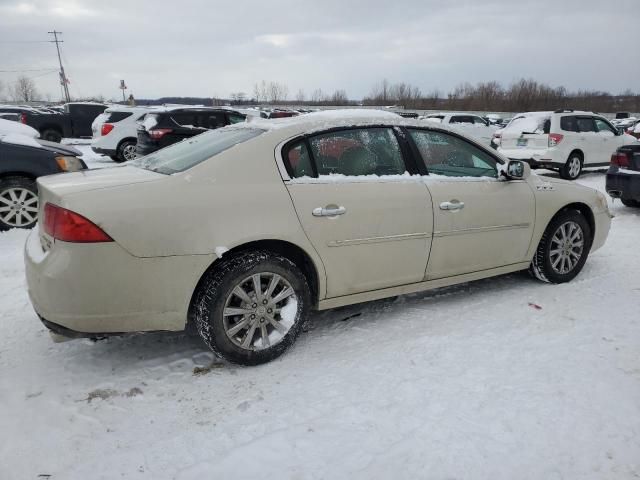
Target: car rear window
113,117
532,124
188,153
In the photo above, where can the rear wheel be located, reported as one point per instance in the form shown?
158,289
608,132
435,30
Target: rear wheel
18,203
126,151
251,307
627,202
572,169
563,248
51,135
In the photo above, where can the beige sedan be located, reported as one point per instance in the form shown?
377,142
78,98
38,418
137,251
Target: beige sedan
241,231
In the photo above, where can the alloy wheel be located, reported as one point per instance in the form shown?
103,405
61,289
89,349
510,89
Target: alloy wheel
567,245
129,152
18,207
574,167
259,311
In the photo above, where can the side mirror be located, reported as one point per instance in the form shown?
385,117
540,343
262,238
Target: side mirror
517,170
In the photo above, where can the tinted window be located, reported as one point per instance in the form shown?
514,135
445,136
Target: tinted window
480,121
185,119
211,120
363,151
298,160
235,118
445,154
603,126
184,155
568,124
113,117
586,124
461,119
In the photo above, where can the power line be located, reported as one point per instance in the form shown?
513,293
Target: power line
29,70
25,41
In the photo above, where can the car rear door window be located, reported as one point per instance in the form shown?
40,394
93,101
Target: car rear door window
114,117
185,119
212,119
461,119
569,124
357,152
445,154
586,124
298,160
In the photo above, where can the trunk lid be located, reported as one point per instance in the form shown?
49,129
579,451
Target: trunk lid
529,131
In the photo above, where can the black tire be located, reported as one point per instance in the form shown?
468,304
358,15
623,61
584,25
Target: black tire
124,149
17,185
51,135
572,169
216,288
627,202
542,267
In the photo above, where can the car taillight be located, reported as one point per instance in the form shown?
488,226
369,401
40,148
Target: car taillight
106,128
555,139
158,133
68,226
620,159
23,118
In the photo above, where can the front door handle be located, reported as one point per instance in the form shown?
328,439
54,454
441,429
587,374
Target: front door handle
452,205
328,211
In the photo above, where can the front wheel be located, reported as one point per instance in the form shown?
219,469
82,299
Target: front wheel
563,248
572,169
18,203
251,307
51,135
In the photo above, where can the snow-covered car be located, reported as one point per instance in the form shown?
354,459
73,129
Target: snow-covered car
241,231
22,160
471,125
564,140
115,132
11,127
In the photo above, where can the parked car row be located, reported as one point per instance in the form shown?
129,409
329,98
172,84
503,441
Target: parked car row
473,125
53,126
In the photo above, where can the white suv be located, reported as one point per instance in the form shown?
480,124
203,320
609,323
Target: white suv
471,125
563,140
115,132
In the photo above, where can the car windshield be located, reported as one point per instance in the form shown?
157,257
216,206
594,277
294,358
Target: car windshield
190,152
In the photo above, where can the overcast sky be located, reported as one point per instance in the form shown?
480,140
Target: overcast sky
213,48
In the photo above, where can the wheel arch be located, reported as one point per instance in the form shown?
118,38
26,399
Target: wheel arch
133,139
29,175
51,126
287,249
584,209
579,152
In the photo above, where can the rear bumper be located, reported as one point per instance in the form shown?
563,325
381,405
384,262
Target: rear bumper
540,159
104,151
96,289
623,185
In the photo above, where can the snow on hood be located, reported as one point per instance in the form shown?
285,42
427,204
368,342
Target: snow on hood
8,126
18,139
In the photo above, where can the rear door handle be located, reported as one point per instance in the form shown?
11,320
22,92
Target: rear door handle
452,205
328,212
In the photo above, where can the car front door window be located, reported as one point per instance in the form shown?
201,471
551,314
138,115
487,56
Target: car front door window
448,155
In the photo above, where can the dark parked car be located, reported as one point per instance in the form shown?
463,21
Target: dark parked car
73,123
623,176
22,161
161,129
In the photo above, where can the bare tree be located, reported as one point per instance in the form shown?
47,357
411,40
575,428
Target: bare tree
1,90
300,96
24,90
317,96
339,97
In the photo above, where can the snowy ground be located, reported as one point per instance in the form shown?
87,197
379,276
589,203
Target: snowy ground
506,378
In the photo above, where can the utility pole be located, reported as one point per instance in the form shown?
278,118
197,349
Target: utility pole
63,78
